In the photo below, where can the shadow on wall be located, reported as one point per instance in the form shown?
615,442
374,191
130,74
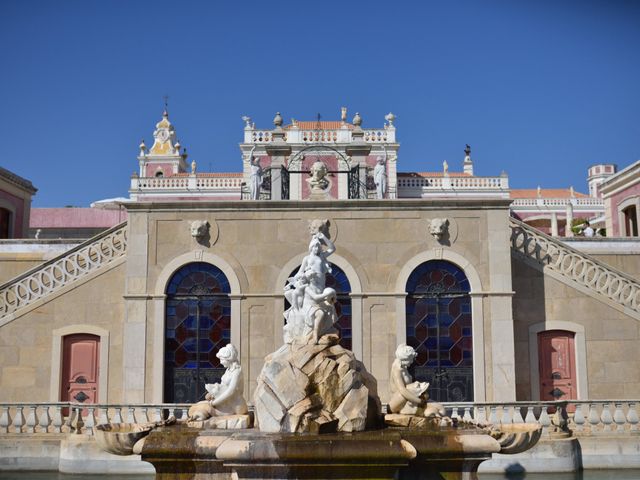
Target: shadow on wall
528,309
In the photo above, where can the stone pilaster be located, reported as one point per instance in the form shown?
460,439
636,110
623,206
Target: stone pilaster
135,323
502,336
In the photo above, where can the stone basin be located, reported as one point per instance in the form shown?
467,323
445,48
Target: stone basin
181,453
517,437
119,438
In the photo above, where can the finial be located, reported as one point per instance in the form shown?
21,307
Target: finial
357,120
572,192
277,120
343,114
390,117
166,106
247,121
539,192
143,147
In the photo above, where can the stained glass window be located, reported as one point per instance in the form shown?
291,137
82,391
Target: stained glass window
198,324
438,311
338,280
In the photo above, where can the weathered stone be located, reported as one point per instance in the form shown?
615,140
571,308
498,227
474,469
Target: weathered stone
331,392
286,381
352,412
230,422
409,421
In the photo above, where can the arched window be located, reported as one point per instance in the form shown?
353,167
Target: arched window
338,280
197,325
438,308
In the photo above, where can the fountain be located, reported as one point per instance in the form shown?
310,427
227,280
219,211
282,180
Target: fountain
317,413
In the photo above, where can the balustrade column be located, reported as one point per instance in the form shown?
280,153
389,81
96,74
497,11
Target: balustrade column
554,224
567,229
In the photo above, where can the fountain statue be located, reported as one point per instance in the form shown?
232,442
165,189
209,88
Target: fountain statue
317,412
224,405
312,383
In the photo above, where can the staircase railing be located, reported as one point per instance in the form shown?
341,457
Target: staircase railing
47,278
582,269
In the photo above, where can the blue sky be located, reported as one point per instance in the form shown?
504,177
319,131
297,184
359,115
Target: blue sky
541,89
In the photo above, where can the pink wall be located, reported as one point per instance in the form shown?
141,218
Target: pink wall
152,168
18,215
332,165
616,200
75,218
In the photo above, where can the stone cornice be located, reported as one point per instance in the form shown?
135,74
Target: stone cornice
17,180
310,205
620,180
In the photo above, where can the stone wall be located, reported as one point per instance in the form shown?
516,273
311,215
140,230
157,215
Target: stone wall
258,245
611,338
26,345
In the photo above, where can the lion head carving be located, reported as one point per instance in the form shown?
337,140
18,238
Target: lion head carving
438,228
199,229
318,225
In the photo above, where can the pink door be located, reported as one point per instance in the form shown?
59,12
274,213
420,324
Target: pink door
556,354
80,368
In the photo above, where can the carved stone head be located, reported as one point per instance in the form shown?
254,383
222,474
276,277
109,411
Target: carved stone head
318,225
199,229
405,354
438,227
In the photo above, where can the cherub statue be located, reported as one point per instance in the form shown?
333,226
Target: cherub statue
226,397
409,397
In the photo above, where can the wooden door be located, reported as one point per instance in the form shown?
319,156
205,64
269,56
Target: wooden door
557,365
80,368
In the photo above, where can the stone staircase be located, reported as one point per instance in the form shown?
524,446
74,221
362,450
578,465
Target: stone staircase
574,268
28,290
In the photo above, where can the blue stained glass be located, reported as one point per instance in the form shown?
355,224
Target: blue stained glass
198,324
438,314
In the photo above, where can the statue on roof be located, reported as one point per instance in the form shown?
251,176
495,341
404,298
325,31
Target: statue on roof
255,177
380,175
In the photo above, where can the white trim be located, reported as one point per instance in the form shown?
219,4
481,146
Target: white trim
580,347
159,304
357,334
477,313
56,359
632,201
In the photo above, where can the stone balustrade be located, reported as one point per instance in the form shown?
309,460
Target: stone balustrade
579,417
67,417
619,289
189,183
586,417
53,275
586,202
341,135
425,186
